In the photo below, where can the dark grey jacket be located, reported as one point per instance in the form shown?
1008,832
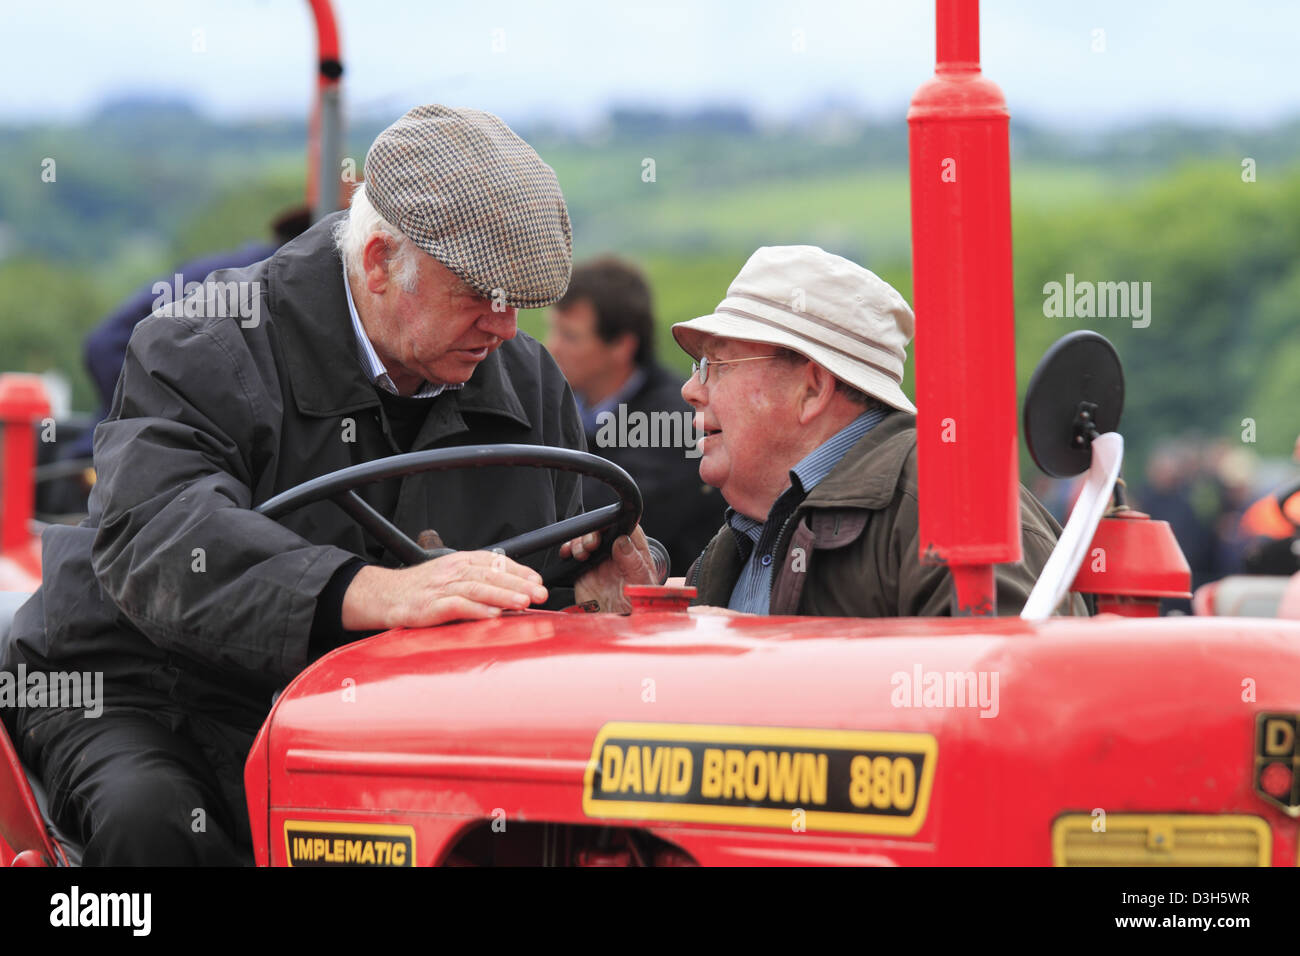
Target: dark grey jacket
173,586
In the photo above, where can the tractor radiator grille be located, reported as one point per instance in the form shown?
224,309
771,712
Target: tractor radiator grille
1160,839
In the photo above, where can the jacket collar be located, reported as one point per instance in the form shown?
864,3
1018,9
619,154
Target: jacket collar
490,391
309,307
867,476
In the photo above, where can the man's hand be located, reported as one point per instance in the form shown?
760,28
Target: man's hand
630,563
467,585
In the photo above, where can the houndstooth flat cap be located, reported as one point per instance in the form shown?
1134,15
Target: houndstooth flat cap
477,198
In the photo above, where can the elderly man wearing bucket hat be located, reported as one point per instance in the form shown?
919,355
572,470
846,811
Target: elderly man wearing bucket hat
813,444
389,328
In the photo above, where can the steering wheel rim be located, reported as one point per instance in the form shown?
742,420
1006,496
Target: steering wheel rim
339,486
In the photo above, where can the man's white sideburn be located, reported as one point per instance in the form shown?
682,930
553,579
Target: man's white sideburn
363,221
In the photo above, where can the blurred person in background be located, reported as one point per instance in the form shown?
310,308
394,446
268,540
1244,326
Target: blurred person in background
1269,529
105,346
1058,495
104,351
1234,471
1167,496
602,337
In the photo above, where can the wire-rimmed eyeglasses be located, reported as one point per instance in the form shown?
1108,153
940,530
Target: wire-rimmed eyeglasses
701,368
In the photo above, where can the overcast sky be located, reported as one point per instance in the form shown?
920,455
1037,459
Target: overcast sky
1203,60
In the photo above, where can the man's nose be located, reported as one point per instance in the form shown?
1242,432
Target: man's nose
503,325
693,392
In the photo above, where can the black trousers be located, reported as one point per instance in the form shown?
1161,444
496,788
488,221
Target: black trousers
143,787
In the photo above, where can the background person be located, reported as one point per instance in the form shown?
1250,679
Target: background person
105,345
1172,473
104,350
601,334
1269,529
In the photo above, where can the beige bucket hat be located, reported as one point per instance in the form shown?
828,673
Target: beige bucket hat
828,309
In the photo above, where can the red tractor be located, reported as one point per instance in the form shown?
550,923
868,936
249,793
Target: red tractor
666,738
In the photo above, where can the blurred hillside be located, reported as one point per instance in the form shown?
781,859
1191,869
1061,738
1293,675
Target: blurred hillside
144,185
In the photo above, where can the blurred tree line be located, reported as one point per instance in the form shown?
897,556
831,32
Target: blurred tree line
141,187
1221,355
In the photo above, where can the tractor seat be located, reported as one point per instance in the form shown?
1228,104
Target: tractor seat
24,807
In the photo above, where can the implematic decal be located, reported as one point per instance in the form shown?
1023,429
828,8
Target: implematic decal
314,843
1277,763
847,780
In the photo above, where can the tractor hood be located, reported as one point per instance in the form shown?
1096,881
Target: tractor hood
951,740
538,686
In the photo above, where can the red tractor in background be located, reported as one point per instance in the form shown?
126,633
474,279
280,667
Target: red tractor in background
663,738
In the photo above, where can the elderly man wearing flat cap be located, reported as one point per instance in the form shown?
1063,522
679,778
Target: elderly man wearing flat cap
813,445
386,329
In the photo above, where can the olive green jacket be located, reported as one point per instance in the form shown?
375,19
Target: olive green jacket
851,548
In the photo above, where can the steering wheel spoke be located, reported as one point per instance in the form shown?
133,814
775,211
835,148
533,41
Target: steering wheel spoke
569,528
386,533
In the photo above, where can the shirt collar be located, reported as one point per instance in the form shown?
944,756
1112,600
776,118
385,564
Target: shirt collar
817,464
370,361
590,414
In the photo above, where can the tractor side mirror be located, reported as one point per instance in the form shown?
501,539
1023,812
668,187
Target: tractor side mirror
1072,411
1075,394
1071,414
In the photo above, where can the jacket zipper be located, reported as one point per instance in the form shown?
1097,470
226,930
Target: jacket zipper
780,540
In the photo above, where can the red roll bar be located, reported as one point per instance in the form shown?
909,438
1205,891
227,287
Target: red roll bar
967,449
325,136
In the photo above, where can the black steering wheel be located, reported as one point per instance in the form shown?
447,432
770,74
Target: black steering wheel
338,487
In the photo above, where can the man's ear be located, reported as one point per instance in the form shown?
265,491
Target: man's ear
816,391
374,263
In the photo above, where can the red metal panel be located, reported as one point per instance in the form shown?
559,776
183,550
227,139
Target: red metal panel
1133,556
257,790
22,830
23,403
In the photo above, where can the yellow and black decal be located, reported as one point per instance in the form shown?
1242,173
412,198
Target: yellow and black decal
316,843
800,778
1277,760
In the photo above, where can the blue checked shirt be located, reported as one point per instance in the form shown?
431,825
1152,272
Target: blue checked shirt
753,590
370,362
